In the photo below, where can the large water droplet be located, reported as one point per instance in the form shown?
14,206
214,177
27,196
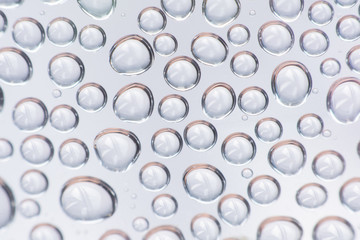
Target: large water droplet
220,12
264,190
154,176
166,232
244,64
268,129
178,9
218,100
314,42
166,143
287,10
164,205
173,108
30,114
29,208
328,165
73,153
334,228
34,182
152,20
238,149
15,66
200,135
45,232
280,228
7,204
37,149
311,195
205,227
64,118
321,13
233,209
92,37
165,44
310,125
350,194
61,32
91,97
98,9
28,33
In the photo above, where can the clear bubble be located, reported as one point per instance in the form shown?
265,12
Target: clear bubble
209,48
92,37
117,149
276,38
205,227
238,149
154,176
3,22
253,100
45,231
131,55
73,153
244,64
7,204
218,100
335,228
220,12
178,9
6,149
268,129
56,93
326,133
10,3
182,73
61,31
204,183
96,10
140,224
15,66
330,67
152,20
346,3
280,228
353,59
200,135
91,97
343,100
114,235
264,190
34,182
28,33
233,209
167,232
311,195
321,13
350,194
287,10
328,165
88,199
166,143
64,118
173,108
238,35
30,114
164,205
165,44
314,42
29,208
310,125
247,173
134,103
348,28
37,149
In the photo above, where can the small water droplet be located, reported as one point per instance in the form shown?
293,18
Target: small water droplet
315,91
15,66
321,13
29,208
314,42
34,182
48,231
311,195
179,10
268,129
92,37
244,64
264,190
7,204
164,205
173,108
140,224
328,165
310,125
275,227
154,176
37,149
61,32
73,153
165,44
28,33
220,12
56,93
200,135
330,67
96,10
245,117
91,97
218,100
288,10
327,133
238,148
166,143
247,173
152,20
335,227
30,114
233,209
64,118
252,12
205,227
238,35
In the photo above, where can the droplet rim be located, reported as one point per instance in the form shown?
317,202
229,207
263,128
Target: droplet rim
99,18
182,18
114,232
5,26
203,7
11,197
271,4
204,215
276,219
168,228
46,225
332,218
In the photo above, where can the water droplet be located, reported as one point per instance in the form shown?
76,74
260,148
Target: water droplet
173,108
73,153
3,22
287,10
152,20
310,125
252,12
114,235
348,28
264,190
253,100
64,118
164,205
10,3
45,231
291,83
346,4
314,42
29,208
321,13
352,59
218,101
209,49
350,194
220,12
164,232
200,135
238,148
330,67
280,228
140,224
30,114
56,93
88,199
238,35
178,9
311,195
166,143
117,149
247,173
92,37
335,228
182,73
165,44
37,149
34,182
205,227
244,117
28,33
328,165
61,32
233,209
97,10
6,149
91,97
7,204
343,100
131,55
15,66
268,129
154,176
204,183
244,64
326,133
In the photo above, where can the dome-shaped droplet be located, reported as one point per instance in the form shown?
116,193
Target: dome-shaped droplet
233,209
7,204
91,97
117,149
253,100
114,235
178,9
287,10
165,44
6,149
200,135
152,20
164,205
140,224
164,232
28,33
314,42
238,148
98,9
218,100
238,35
154,176
346,3
88,199
37,150
311,195
310,125
15,66
61,32
264,190
348,28
92,37
280,228
34,182
334,228
205,227
321,13
244,64
166,143
64,118
45,231
328,165
350,194
330,67
353,59
29,208
73,153
220,12
30,114
268,129
173,108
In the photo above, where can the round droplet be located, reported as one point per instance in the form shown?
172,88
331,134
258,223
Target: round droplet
6,149
310,125
346,3
233,209
220,12
204,183
244,64
61,32
311,195
238,148
348,28
29,208
334,228
209,48
56,93
330,67
321,13
92,37
3,22
314,42
117,149
276,38
343,100
15,66
114,235
28,33
164,205
238,35
64,118
280,228
173,108
96,9
287,10
264,190
164,232
350,194
30,114
268,129
10,3
45,231
291,83
88,199
178,9
140,224
205,227
134,103
328,165
131,55
247,173
152,20
34,182
353,59
182,73
218,100
37,150
200,135
166,143
73,153
7,204
91,97
165,44
154,176
253,100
